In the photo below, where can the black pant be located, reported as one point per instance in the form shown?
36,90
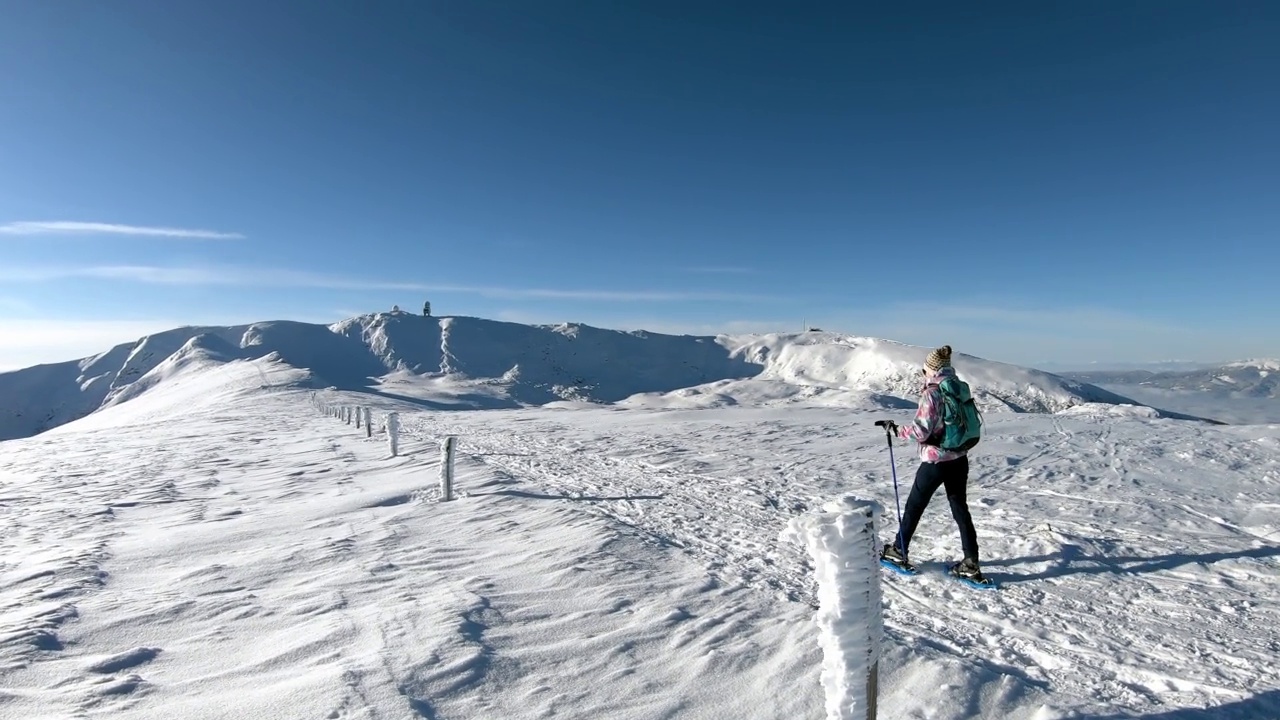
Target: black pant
954,474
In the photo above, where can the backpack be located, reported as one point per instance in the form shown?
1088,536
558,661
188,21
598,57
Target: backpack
961,421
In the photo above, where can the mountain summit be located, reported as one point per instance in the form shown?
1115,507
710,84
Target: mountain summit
474,363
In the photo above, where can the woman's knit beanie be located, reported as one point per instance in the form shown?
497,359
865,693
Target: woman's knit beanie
938,359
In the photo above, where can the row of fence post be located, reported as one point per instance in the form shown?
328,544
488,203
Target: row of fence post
842,541
362,418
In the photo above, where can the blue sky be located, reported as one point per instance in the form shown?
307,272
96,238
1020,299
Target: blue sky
1043,185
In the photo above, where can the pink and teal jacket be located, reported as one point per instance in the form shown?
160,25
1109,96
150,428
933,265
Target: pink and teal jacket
928,421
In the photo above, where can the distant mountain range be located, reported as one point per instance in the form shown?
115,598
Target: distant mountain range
1250,378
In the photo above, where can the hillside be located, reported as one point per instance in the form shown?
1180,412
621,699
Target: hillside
832,369
473,363
46,396
458,362
1239,392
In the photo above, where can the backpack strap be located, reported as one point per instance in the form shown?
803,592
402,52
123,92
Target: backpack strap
936,438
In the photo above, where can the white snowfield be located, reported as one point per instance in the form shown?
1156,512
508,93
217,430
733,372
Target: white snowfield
217,548
840,370
472,363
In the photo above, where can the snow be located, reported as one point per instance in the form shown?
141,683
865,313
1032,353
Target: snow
473,363
817,368
1122,410
842,541
1264,366
214,546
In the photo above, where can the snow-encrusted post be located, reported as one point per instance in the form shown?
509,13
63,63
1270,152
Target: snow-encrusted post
446,467
393,433
368,423
842,539
359,417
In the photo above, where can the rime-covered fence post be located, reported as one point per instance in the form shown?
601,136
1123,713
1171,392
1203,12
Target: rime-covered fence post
446,467
368,423
359,417
842,541
393,433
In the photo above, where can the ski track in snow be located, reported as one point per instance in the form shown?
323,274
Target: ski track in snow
619,564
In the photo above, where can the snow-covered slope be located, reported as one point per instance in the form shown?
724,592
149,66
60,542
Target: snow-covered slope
445,362
472,363
218,549
36,399
833,369
537,364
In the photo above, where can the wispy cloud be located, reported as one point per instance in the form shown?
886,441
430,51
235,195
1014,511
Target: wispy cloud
719,270
259,277
65,227
655,324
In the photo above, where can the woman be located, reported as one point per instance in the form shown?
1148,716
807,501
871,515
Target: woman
938,468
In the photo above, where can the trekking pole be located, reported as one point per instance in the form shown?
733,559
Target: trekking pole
893,467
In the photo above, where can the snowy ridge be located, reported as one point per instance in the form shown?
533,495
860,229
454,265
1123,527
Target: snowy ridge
37,399
1265,365
473,363
833,369
488,363
458,362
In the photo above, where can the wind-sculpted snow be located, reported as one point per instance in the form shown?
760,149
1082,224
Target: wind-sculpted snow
216,547
1130,549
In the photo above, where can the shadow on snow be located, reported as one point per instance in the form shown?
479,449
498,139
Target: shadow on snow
1263,705
1073,560
586,498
